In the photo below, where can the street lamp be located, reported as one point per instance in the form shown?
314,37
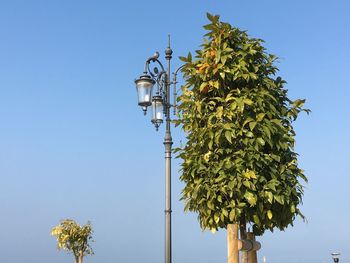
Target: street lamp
144,87
335,257
159,100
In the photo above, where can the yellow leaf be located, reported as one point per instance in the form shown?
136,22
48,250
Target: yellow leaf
250,174
269,214
260,116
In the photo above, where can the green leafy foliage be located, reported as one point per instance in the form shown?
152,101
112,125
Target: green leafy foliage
73,238
239,160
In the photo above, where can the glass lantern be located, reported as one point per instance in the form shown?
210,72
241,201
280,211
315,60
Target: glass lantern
335,257
144,86
158,111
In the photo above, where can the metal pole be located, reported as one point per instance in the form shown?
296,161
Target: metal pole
168,144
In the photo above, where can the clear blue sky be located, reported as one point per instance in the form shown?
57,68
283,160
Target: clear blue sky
74,143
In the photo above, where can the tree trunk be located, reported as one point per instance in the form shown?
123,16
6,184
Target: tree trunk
81,257
232,246
252,255
243,235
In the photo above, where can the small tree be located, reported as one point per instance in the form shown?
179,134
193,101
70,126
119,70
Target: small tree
239,164
74,238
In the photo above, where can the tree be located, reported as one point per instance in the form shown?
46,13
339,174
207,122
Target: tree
239,164
74,238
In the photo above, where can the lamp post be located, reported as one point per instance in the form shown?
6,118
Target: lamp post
159,100
335,257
